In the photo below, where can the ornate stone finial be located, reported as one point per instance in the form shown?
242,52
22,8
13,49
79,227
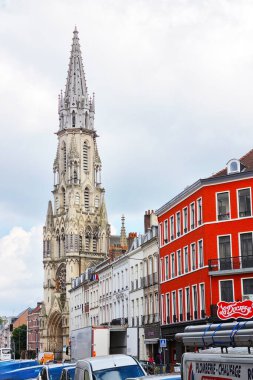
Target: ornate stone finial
123,238
49,219
56,161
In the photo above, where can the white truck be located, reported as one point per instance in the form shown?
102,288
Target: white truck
217,366
117,367
5,354
89,341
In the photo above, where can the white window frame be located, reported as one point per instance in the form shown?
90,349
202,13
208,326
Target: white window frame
180,291
193,244
229,171
192,221
185,260
233,287
201,303
166,268
185,292
167,295
239,240
218,246
185,220
178,224
174,307
172,228
199,213
198,255
217,207
237,199
162,309
171,265
179,261
165,232
195,286
245,278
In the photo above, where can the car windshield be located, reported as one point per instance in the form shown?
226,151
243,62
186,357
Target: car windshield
118,373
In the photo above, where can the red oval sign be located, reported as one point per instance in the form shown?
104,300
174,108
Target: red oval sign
227,310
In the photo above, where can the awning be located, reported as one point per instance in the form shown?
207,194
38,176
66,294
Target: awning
151,341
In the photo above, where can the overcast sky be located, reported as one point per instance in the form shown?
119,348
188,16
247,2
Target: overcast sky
174,91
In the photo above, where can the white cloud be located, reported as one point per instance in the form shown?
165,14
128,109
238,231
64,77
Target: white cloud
21,276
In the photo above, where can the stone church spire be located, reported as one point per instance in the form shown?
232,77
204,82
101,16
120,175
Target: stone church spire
76,232
75,108
76,89
123,238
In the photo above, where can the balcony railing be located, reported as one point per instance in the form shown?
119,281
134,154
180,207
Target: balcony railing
155,278
230,263
119,321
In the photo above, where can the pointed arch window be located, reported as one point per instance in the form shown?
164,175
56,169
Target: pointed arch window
95,240
87,239
77,199
73,119
75,176
80,243
87,199
71,242
57,205
85,157
94,244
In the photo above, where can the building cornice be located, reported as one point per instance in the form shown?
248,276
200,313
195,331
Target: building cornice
200,184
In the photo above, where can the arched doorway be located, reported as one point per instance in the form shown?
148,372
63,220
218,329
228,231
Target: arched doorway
55,340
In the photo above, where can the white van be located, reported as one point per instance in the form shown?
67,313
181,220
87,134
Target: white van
215,366
108,367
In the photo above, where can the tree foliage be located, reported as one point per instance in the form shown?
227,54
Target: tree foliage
19,335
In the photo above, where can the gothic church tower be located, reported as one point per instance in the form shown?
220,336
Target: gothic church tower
76,233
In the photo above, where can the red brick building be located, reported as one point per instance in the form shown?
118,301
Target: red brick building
206,252
33,338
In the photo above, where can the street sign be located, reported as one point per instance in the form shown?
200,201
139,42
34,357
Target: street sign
163,342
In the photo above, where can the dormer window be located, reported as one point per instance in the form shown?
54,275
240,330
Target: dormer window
233,166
